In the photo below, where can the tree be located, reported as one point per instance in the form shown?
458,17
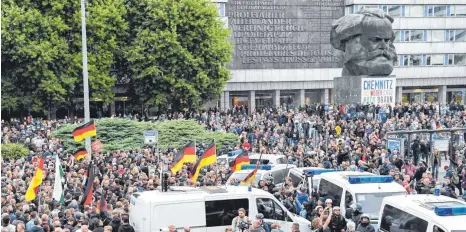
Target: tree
179,54
41,51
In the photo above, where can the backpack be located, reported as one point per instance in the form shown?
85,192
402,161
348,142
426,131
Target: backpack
455,178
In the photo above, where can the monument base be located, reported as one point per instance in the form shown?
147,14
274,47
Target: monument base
348,89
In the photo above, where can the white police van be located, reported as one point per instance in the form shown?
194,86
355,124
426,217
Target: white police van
278,172
422,212
207,209
298,176
268,159
367,189
229,158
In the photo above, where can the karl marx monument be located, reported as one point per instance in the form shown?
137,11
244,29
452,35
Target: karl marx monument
366,38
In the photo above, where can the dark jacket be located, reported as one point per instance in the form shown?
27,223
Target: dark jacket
116,223
337,223
126,228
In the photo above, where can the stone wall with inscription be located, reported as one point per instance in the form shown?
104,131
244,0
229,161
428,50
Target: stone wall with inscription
283,34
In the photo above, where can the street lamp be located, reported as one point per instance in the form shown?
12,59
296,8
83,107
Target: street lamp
87,117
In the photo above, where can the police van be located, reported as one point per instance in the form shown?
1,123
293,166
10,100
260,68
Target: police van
309,175
422,212
207,209
229,158
268,159
367,189
279,172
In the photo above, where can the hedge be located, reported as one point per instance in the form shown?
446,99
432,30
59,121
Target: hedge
14,150
122,134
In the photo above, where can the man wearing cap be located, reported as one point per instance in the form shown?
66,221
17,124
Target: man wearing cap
260,218
338,222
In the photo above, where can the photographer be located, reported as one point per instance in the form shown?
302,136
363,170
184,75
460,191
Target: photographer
240,222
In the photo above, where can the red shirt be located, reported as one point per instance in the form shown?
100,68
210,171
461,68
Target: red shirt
246,146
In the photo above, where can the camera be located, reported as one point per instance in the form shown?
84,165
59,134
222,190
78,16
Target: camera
243,225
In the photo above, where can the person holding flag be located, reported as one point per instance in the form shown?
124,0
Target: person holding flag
59,179
36,181
249,179
209,157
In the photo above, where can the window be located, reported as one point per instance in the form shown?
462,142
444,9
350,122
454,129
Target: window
416,35
279,176
296,180
460,10
221,8
348,199
440,11
450,35
394,11
222,212
416,11
438,35
449,59
401,221
406,36
270,209
460,59
460,35
397,35
416,60
437,60
426,60
330,190
406,60
438,229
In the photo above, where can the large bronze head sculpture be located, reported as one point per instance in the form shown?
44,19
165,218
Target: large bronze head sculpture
367,40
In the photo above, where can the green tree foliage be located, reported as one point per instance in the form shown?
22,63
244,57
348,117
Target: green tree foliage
123,134
14,150
179,53
41,50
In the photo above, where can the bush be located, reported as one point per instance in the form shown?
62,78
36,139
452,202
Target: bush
122,134
14,150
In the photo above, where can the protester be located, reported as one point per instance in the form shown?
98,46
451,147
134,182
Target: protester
347,137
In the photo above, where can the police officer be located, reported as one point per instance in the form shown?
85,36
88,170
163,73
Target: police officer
264,225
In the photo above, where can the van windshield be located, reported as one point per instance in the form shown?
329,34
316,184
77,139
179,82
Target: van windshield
263,161
371,202
241,176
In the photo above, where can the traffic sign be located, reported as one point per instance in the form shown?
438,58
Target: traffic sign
151,137
97,146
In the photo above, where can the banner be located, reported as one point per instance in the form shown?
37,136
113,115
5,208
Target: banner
378,91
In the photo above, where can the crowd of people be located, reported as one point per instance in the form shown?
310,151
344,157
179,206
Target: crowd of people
348,137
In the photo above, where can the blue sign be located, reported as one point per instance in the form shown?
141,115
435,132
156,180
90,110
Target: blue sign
394,145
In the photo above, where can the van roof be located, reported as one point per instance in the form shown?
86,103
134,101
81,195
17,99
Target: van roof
341,178
266,156
425,204
274,167
184,194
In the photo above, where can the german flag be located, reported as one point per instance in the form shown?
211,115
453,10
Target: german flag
80,154
186,155
84,131
36,181
189,153
87,196
209,157
251,176
240,160
438,127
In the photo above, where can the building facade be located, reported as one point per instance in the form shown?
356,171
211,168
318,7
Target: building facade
282,53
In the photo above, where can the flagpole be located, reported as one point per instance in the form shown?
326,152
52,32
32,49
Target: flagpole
87,116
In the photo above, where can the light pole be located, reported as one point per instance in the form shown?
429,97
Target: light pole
87,117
